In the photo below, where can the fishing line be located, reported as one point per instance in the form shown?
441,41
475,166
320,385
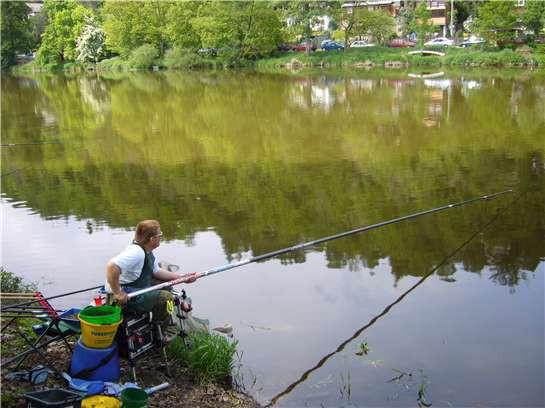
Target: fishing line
30,143
341,347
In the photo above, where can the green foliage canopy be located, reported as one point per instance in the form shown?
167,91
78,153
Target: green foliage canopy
496,21
128,25
16,31
252,28
376,23
533,16
66,21
423,25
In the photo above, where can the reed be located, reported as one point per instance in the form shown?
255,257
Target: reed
210,358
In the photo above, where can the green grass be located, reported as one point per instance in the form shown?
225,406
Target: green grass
381,56
11,283
209,357
350,58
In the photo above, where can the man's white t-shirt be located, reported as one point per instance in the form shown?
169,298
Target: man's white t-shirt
130,261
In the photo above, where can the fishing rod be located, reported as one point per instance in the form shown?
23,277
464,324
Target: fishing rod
315,242
6,308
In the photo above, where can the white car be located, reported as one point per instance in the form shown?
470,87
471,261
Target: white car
361,44
440,42
472,41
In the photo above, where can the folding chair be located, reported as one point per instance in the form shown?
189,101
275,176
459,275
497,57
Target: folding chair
40,309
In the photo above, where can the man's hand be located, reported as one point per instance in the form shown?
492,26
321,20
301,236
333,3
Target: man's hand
188,277
121,298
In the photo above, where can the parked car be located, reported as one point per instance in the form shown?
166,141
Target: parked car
471,42
303,47
361,44
285,47
332,45
401,43
439,42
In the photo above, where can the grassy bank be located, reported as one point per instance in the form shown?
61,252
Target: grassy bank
395,57
353,57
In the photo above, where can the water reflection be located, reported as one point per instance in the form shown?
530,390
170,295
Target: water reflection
199,143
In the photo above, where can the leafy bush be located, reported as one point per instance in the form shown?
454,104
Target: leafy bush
115,63
14,284
143,56
182,58
210,357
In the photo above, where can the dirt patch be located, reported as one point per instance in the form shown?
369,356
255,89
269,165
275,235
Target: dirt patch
150,371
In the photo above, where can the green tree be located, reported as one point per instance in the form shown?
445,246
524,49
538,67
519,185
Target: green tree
346,19
16,31
302,15
375,23
179,29
90,44
66,20
250,28
129,25
407,19
533,16
496,21
423,25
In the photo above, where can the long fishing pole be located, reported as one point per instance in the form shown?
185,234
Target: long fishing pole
315,242
6,308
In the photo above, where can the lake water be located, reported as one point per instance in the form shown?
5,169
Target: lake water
445,309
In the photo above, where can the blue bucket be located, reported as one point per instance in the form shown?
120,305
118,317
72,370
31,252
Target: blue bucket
98,364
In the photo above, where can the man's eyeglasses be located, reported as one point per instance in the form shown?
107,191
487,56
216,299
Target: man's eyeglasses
158,235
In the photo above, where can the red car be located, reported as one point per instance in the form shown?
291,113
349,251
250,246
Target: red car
401,43
303,47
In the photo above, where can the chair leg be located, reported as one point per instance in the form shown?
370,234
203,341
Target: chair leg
133,369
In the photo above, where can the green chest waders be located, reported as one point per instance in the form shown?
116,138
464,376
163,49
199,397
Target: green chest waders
145,302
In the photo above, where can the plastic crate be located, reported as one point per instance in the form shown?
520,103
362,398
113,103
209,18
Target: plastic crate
53,398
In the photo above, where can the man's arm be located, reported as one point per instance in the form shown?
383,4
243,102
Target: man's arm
112,277
165,275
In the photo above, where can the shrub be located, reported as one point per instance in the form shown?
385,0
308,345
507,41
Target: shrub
182,58
115,63
143,56
210,357
14,284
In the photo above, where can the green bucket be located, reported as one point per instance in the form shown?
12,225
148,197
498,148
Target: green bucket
101,314
134,398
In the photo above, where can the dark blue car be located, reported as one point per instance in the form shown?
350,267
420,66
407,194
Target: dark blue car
331,46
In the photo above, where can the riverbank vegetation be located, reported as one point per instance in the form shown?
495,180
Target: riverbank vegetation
113,35
202,366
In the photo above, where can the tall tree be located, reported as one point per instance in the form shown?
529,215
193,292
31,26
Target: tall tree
65,23
347,18
496,21
16,31
129,25
249,28
179,29
423,25
90,44
376,23
533,16
303,15
407,18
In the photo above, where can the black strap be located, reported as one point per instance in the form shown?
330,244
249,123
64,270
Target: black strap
87,372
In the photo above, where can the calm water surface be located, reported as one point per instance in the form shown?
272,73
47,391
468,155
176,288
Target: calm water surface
239,164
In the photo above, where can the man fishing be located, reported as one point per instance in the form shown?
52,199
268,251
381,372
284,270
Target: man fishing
136,268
